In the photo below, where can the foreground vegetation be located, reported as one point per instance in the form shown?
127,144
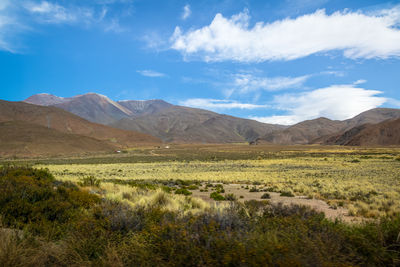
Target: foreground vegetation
48,222
365,181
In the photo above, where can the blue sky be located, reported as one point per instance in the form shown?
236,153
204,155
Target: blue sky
274,61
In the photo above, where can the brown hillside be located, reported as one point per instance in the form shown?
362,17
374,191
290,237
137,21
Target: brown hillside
386,133
190,125
63,121
19,138
309,131
161,119
303,132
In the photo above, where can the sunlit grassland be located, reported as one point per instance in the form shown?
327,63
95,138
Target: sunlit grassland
367,182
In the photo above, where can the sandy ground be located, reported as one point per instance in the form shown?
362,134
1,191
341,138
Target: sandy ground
318,205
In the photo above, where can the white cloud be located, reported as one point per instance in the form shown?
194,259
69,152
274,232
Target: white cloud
393,102
8,26
151,73
361,81
357,34
47,12
338,102
186,12
245,83
215,104
282,120
114,26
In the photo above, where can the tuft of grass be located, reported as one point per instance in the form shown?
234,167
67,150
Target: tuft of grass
89,181
230,197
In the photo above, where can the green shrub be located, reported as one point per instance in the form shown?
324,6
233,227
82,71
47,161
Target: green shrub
219,188
183,191
216,196
192,187
253,189
32,199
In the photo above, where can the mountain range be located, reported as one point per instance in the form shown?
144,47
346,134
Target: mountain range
46,124
170,123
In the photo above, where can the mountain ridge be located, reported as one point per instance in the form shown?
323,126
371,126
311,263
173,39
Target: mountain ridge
306,132
385,133
66,122
169,122
173,123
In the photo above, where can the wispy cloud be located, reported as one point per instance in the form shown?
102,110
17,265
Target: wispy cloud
114,26
17,17
361,81
151,73
186,12
217,104
336,102
357,34
245,83
47,12
10,27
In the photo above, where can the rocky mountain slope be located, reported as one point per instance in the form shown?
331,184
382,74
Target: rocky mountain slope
183,124
65,122
24,139
385,133
168,122
307,131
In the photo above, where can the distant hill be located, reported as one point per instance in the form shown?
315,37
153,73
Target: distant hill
168,122
65,122
93,107
21,138
381,134
98,108
303,132
183,124
307,131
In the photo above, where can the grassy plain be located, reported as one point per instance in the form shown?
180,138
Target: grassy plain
366,181
124,209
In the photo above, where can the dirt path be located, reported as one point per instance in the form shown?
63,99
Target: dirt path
318,205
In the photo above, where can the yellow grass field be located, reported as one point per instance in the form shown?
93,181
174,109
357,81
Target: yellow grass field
365,181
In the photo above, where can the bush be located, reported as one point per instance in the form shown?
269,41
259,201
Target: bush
216,196
31,198
183,191
286,194
219,188
192,187
253,189
266,196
